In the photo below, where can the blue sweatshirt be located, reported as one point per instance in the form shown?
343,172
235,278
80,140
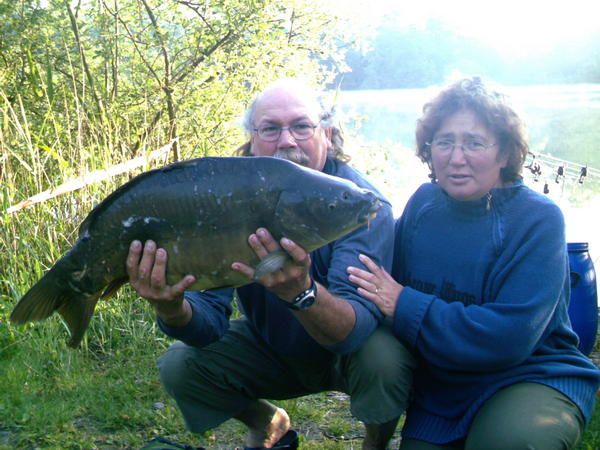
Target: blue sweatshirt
485,305
271,319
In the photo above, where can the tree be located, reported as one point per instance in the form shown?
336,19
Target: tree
120,76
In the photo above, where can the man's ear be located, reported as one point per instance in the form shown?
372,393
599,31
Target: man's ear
329,135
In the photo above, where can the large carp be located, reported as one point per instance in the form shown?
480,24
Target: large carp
202,212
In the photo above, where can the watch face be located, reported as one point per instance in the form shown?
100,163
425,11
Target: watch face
306,301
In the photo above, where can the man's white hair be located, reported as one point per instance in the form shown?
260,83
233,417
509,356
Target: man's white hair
314,99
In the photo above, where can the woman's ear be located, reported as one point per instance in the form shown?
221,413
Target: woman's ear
503,159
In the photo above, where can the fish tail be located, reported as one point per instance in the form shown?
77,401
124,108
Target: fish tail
51,294
78,314
39,302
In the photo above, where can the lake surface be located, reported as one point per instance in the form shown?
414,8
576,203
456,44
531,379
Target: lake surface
386,115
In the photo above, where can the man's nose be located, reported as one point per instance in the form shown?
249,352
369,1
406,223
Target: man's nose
286,139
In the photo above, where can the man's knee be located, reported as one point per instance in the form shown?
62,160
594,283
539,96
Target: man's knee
385,358
185,374
380,378
174,367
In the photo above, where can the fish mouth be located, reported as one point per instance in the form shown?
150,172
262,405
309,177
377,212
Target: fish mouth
372,210
375,207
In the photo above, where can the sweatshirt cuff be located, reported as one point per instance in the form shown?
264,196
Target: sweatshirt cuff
409,314
185,332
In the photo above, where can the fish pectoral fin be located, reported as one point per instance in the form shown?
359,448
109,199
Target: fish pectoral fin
272,263
77,314
113,287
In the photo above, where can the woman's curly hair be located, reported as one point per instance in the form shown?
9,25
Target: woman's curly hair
492,110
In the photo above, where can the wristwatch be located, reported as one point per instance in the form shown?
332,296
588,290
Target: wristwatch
305,299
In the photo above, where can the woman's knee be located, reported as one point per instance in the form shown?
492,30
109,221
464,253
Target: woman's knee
526,415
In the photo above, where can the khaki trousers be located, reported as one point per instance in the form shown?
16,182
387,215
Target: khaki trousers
524,416
215,383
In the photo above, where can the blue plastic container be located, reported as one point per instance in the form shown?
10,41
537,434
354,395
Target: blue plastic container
583,308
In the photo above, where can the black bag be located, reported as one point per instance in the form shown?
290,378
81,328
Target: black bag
160,443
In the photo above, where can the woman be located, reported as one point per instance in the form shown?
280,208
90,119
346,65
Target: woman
480,289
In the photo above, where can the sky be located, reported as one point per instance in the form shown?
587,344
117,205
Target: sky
510,26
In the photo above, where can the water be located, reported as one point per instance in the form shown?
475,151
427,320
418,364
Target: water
389,115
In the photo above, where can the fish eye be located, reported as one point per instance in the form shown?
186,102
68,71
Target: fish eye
331,206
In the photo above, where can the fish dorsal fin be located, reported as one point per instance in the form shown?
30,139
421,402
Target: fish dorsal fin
100,207
272,263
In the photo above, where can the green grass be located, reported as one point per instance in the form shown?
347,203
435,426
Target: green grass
106,394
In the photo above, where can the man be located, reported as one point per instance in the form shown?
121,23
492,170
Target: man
305,328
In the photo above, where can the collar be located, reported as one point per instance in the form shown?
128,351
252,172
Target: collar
494,197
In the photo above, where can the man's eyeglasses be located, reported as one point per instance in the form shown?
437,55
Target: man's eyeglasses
446,146
300,131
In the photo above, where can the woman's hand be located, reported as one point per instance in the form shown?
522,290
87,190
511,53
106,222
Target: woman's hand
376,285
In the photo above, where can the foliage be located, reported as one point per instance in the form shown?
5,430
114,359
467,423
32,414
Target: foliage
129,75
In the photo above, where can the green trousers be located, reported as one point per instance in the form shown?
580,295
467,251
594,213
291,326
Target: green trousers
215,383
524,416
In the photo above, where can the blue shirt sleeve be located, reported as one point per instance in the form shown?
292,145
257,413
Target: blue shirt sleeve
210,318
376,241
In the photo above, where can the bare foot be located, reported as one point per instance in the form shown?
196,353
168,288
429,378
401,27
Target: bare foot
266,423
272,433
